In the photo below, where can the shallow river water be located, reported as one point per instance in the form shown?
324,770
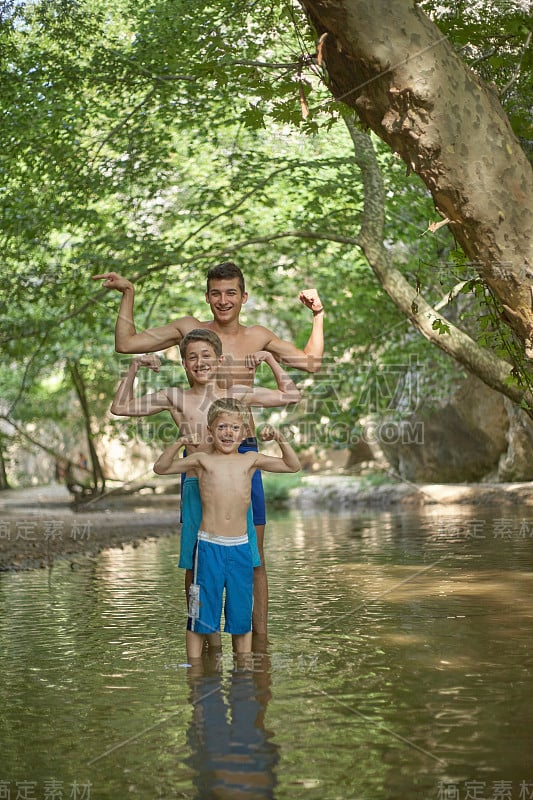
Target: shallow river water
399,666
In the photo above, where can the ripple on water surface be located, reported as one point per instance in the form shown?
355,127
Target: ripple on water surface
399,658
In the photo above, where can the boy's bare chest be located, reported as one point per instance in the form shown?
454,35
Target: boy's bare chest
194,414
189,413
236,349
229,478
242,343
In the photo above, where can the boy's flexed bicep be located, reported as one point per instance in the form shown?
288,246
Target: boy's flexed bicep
127,339
310,358
153,403
170,463
126,404
289,461
274,464
259,396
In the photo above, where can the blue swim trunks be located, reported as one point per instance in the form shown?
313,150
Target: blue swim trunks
223,562
258,493
191,514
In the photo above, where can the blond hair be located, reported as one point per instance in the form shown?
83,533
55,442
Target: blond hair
226,405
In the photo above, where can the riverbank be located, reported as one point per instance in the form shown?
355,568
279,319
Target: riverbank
41,525
342,493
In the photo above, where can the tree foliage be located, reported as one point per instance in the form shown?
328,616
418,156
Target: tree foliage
157,139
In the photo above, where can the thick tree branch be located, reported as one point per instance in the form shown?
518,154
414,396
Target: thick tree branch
45,448
392,65
518,69
493,371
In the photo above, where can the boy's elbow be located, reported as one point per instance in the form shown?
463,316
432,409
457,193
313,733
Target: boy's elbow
292,397
313,364
123,347
120,345
127,343
294,466
158,470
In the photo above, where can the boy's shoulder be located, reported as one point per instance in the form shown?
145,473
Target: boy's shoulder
257,330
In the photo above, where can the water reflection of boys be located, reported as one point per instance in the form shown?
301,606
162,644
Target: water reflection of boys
231,752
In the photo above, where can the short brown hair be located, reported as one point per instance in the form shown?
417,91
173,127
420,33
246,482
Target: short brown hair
226,405
201,335
226,272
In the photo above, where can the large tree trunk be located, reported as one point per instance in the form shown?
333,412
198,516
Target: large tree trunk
394,67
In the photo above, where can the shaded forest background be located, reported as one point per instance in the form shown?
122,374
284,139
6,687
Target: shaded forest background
159,139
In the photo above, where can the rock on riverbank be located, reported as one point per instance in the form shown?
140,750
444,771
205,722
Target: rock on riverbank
343,493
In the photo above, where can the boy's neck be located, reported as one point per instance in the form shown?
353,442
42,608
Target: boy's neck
231,328
235,452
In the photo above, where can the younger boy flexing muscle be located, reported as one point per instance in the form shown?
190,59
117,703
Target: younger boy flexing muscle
201,352
223,557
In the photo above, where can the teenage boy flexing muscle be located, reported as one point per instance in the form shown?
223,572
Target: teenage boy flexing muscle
226,295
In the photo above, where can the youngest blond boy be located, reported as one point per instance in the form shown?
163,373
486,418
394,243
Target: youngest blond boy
223,558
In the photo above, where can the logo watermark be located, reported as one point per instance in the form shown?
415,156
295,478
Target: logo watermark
48,789
485,790
50,530
503,528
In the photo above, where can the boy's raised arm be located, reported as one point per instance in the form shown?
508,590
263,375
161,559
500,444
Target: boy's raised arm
286,393
169,462
127,405
127,340
289,461
310,358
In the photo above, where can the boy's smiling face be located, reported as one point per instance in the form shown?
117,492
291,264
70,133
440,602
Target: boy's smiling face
227,432
200,362
226,299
